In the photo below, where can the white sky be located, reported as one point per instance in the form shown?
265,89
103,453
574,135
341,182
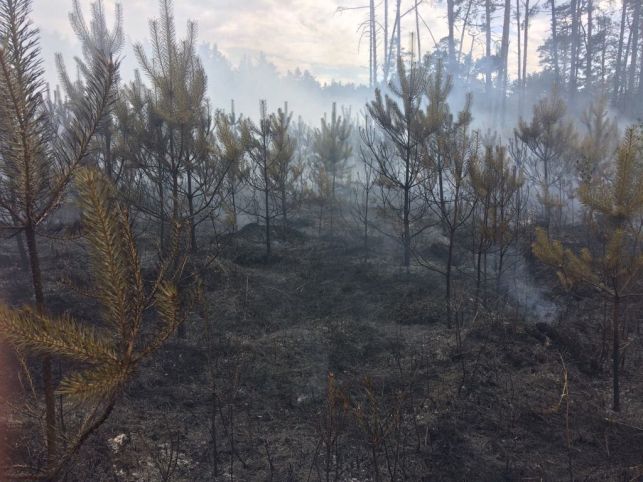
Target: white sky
309,34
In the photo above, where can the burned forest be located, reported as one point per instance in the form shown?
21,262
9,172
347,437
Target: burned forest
345,240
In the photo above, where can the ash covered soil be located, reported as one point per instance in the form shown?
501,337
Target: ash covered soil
319,365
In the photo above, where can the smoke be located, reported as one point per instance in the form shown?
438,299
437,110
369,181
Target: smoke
258,78
529,296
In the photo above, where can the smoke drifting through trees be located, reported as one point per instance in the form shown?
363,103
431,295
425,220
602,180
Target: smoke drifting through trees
465,181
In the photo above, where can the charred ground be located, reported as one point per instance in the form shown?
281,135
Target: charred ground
319,365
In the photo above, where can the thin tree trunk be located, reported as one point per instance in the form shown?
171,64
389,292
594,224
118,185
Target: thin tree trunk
175,206
465,24
190,196
619,56
636,20
640,95
284,208
234,209
623,86
22,252
407,230
616,354
451,41
481,244
488,47
504,54
525,46
603,55
50,399
519,42
373,25
573,66
448,275
266,181
590,49
407,200
161,207
368,190
108,150
387,59
398,21
332,204
417,30
554,40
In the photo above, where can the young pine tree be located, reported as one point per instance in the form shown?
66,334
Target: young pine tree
38,159
394,142
332,150
451,152
256,139
97,42
231,152
550,139
177,101
598,144
613,264
111,352
495,183
283,172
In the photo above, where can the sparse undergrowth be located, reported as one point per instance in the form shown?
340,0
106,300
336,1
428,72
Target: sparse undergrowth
259,357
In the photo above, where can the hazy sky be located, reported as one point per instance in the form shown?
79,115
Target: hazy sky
309,34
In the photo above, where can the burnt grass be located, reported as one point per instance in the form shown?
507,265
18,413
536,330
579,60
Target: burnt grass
251,377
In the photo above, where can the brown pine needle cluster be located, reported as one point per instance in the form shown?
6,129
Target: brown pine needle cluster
109,350
612,262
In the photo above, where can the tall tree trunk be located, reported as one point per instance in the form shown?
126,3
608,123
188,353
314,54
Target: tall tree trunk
465,24
640,94
573,65
554,41
451,40
640,90
603,58
387,60
590,50
50,398
398,22
417,30
636,20
619,56
373,28
504,54
525,46
519,41
487,9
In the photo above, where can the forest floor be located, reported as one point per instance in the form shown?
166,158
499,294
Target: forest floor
492,397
